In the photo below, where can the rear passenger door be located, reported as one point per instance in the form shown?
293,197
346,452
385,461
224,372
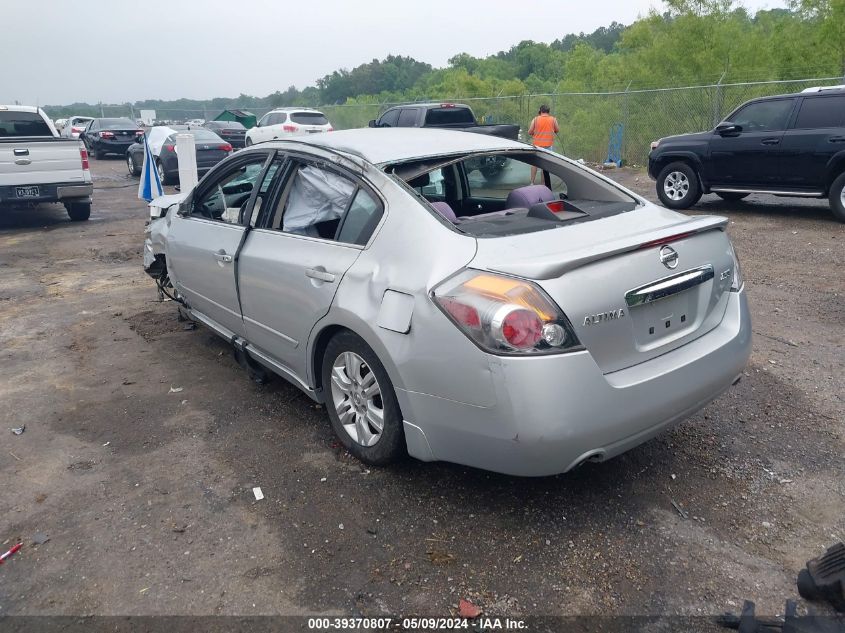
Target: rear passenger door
318,219
817,135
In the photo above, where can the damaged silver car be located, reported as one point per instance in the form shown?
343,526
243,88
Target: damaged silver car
521,325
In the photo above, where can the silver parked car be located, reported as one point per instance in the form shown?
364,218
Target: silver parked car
517,327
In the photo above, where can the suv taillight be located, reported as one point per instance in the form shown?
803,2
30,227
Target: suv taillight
289,128
504,315
83,154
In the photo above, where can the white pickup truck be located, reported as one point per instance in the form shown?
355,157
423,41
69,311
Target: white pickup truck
37,166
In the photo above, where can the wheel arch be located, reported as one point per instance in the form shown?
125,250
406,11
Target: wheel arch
328,328
835,167
690,158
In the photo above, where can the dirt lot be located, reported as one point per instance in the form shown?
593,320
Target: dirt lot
144,439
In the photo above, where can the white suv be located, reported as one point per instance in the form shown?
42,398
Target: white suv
284,122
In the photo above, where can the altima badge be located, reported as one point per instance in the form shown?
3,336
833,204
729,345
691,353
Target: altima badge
669,257
595,319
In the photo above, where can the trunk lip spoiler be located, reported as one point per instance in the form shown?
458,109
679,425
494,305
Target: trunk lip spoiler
551,266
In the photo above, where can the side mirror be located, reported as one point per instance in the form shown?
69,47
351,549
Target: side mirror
372,123
728,129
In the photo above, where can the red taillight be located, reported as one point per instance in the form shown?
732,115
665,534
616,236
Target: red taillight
463,314
520,328
83,154
331,129
226,147
667,239
77,129
170,148
289,128
139,132
107,134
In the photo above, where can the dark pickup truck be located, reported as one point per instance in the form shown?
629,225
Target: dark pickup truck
788,145
449,116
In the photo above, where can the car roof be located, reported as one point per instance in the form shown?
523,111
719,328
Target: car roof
382,146
293,109
18,108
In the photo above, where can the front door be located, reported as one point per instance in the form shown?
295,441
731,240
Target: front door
750,158
319,219
203,244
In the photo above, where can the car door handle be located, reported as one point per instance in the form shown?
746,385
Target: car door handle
836,139
321,275
223,257
770,141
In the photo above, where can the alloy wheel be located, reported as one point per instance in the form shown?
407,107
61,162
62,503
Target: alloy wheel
676,185
356,397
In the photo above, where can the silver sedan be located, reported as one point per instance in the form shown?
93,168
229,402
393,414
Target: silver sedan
444,302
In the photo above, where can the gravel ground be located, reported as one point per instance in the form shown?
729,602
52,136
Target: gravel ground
144,439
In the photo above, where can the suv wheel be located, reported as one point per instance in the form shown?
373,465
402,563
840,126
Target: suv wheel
837,198
677,186
732,196
360,400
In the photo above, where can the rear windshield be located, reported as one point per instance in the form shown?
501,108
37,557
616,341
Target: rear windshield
203,136
117,124
498,194
309,118
449,116
23,124
226,125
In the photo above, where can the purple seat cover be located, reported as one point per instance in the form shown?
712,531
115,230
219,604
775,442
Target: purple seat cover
446,211
526,196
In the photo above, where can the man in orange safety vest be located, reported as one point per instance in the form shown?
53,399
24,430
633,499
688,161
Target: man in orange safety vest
542,130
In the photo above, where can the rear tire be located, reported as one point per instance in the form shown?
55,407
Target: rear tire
162,175
78,211
678,186
352,408
130,164
732,196
837,198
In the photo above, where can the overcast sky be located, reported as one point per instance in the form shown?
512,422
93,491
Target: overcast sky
116,51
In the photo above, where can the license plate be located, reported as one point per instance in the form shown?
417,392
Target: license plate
27,192
314,131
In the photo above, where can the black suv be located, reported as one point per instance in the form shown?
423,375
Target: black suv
789,145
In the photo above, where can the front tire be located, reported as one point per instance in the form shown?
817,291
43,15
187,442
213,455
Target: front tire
732,196
678,186
78,211
837,198
361,402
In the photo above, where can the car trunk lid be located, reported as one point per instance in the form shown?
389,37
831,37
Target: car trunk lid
629,297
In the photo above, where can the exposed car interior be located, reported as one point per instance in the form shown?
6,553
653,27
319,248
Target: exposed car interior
466,193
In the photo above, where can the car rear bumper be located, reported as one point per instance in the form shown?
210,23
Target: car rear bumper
112,147
53,192
555,412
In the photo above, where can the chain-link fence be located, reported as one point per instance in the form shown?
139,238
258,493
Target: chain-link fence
585,118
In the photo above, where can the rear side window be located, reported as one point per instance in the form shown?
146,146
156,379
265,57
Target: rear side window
764,115
408,117
309,118
449,116
361,219
821,112
23,124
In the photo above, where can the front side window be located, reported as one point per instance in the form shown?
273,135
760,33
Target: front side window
764,116
408,117
821,112
389,118
226,199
